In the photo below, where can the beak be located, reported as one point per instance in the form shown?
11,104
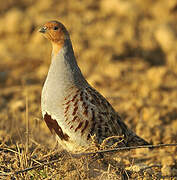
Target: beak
43,30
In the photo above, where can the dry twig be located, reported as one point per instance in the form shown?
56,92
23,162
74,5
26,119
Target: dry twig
88,153
128,148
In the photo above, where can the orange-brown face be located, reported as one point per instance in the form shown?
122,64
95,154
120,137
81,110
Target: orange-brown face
56,33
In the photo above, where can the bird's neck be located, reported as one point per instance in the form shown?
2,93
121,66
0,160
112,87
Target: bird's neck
56,47
64,69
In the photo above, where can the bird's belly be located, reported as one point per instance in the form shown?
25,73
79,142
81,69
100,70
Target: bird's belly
73,146
69,139
51,100
54,116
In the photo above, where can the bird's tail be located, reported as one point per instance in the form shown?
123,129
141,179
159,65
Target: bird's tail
135,140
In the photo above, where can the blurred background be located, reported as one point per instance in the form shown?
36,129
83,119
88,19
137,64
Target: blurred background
127,49
102,32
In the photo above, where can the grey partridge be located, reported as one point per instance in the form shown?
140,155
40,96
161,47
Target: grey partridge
72,109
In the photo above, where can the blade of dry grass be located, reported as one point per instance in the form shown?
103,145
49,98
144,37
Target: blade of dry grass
27,122
128,148
89,153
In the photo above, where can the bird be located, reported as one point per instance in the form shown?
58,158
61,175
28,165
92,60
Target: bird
72,109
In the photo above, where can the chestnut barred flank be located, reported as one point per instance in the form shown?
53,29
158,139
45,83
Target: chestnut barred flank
55,128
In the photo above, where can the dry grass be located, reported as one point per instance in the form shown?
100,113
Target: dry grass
126,50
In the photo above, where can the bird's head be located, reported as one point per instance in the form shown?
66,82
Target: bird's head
56,33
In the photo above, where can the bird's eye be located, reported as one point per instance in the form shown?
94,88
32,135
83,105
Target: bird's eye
55,28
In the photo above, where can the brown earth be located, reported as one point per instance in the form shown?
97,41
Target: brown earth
126,49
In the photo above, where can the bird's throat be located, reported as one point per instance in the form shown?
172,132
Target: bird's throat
57,46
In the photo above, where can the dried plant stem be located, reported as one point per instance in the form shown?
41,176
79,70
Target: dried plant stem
89,153
128,148
27,123
29,169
